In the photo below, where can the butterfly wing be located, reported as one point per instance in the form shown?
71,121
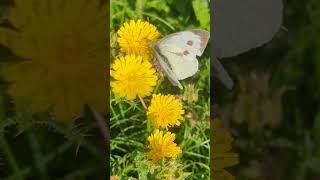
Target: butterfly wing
180,50
165,65
239,26
182,65
194,41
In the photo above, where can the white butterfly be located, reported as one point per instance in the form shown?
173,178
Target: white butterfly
177,53
239,26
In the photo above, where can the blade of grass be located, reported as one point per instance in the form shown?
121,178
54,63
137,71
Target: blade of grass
40,165
5,147
159,19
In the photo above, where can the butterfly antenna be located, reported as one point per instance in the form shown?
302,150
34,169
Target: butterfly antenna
220,73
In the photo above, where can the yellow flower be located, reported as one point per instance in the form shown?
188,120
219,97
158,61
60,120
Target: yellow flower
221,157
134,38
133,77
62,44
165,111
161,145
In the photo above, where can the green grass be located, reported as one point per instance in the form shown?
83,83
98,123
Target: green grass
128,125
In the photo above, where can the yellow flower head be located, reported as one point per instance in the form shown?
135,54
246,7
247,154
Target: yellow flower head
165,111
134,38
161,145
221,157
133,77
63,52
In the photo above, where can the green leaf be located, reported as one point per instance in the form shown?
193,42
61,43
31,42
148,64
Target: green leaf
202,12
159,5
142,166
140,7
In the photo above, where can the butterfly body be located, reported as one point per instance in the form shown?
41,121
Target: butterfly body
177,53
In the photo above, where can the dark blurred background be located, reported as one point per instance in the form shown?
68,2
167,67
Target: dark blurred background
273,111
44,135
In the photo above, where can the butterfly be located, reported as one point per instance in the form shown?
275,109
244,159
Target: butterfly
238,26
177,53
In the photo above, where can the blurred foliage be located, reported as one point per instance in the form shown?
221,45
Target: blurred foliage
32,144
275,118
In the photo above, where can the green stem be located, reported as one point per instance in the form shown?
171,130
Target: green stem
158,85
10,157
143,103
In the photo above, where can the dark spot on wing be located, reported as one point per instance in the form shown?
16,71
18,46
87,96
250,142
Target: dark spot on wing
184,53
179,54
190,43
